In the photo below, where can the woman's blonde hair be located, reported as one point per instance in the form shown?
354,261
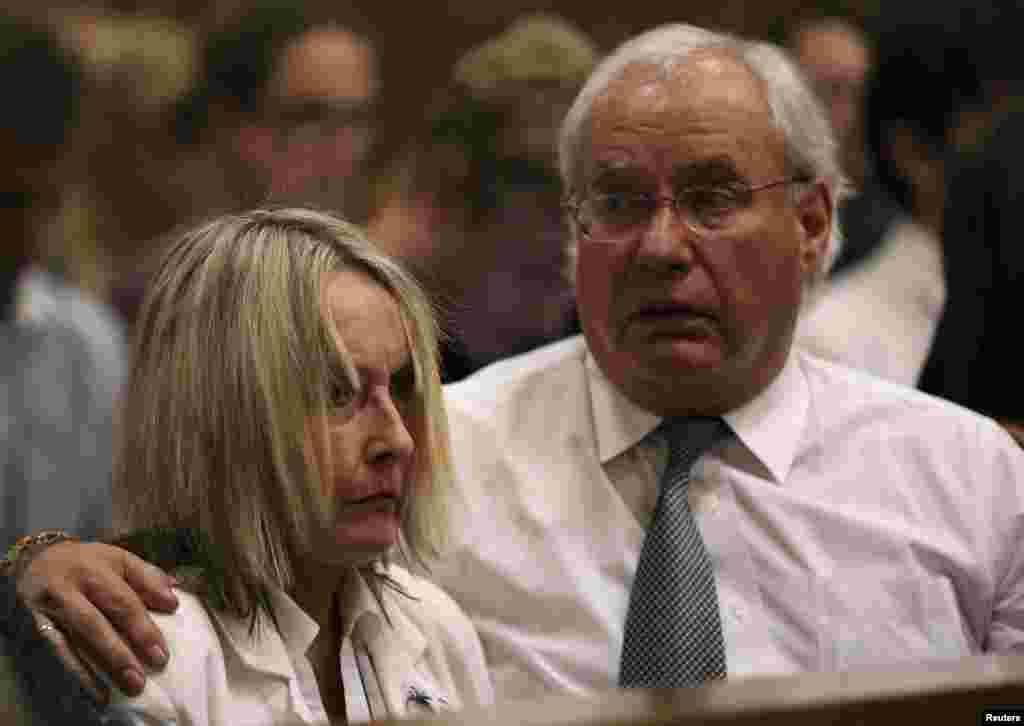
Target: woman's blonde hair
234,358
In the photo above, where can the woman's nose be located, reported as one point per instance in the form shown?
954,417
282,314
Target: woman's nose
391,440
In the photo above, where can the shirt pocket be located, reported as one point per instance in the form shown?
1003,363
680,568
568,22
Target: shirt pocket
883,616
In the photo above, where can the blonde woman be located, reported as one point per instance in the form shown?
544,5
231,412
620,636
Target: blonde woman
283,440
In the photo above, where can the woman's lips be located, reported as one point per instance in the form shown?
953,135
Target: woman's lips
378,502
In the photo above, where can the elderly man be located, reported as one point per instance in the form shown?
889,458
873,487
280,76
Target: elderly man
830,520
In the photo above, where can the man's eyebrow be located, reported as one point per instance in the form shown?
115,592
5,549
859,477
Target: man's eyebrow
617,169
714,170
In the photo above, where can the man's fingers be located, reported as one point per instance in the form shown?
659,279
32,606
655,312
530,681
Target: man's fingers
123,607
81,587
75,665
151,583
86,633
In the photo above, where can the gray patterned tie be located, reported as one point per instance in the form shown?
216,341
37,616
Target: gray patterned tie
673,632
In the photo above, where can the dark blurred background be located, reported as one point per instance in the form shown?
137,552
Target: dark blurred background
418,42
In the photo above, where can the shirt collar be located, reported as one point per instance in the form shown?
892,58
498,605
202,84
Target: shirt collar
396,642
268,649
359,606
395,651
770,426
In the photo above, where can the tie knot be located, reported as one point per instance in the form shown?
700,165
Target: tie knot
687,438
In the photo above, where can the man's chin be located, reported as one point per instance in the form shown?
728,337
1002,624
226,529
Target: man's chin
673,377
675,355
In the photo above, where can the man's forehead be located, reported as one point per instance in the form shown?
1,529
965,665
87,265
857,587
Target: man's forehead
711,75
711,101
329,64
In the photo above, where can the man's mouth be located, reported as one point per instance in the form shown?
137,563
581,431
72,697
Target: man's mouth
658,311
674,320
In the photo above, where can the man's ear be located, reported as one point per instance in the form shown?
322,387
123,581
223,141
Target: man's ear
814,216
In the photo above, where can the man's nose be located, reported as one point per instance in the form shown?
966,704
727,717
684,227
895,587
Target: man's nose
668,238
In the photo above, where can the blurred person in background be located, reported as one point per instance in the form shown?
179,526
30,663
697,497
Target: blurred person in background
276,108
132,192
879,310
475,208
973,360
284,108
62,355
836,54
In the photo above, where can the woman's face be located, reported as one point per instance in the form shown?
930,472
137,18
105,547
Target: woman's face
368,431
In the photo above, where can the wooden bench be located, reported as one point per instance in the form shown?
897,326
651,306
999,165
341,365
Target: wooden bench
946,692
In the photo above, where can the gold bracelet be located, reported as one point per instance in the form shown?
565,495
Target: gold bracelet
30,545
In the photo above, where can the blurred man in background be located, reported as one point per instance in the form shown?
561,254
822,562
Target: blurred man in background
968,116
881,307
282,110
285,109
837,57
476,207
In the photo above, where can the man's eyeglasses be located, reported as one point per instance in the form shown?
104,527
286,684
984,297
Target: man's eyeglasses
706,210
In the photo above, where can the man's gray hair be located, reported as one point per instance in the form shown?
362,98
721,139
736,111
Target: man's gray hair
796,111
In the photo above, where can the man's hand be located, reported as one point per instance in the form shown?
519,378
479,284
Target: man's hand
96,596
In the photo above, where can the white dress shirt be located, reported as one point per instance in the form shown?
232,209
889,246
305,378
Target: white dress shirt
852,522
427,660
882,315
